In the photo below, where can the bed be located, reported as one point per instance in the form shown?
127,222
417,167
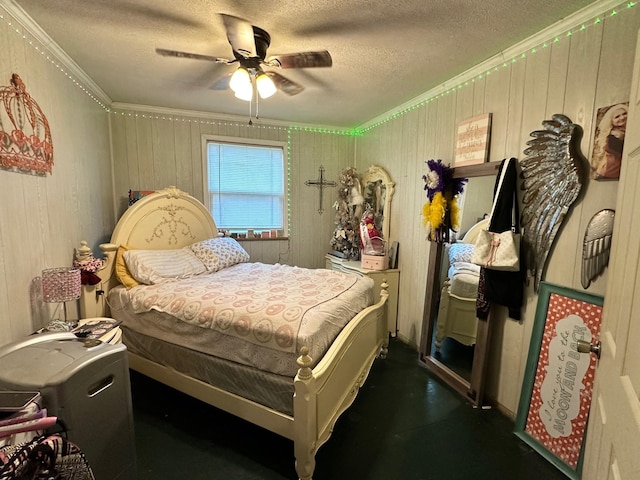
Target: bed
294,385
457,309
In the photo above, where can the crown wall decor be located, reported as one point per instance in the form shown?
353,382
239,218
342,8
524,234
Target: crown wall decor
25,137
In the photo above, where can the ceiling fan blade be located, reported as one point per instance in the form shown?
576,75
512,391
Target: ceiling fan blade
196,56
301,60
284,84
221,83
240,35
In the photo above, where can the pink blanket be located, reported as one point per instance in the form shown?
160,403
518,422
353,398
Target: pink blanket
262,304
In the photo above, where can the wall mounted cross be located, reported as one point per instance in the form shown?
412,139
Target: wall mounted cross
321,183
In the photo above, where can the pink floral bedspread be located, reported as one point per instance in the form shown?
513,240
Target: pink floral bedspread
262,304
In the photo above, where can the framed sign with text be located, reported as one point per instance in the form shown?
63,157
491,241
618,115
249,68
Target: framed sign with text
472,140
558,381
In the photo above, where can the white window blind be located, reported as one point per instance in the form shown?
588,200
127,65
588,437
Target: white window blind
246,186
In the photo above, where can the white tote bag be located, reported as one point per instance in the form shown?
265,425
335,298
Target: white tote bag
498,250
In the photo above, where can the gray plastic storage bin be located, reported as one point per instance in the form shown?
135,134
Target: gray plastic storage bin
85,383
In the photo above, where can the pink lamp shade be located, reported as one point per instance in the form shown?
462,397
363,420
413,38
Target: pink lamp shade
61,284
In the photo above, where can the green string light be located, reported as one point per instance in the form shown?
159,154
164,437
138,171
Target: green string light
506,63
353,132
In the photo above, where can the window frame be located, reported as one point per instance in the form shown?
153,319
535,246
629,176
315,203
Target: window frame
206,139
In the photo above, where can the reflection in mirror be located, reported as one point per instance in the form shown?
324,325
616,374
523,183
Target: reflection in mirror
475,202
454,341
377,191
374,197
456,323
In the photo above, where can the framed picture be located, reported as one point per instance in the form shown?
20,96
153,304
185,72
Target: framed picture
558,381
135,195
609,133
472,140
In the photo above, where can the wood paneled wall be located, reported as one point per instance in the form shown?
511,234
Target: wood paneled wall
153,150
44,218
574,76
103,151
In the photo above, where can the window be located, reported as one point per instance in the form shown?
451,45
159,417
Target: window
246,185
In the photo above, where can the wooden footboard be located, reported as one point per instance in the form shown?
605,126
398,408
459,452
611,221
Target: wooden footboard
322,394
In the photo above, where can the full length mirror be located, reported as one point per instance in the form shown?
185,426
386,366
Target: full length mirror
377,190
454,341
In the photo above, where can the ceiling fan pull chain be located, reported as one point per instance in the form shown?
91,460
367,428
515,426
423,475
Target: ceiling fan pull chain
250,122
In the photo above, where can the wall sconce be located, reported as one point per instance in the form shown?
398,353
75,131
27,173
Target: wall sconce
61,285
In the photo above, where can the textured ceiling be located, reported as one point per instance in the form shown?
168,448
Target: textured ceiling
384,53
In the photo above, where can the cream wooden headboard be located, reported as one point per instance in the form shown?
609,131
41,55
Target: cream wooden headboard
472,233
168,218
165,219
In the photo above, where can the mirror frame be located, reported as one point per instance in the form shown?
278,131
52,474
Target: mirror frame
372,175
473,389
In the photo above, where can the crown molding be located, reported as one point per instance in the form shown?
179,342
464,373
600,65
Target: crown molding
557,29
71,68
586,14
238,119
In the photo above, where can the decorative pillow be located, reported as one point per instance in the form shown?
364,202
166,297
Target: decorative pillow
460,252
157,266
122,272
218,253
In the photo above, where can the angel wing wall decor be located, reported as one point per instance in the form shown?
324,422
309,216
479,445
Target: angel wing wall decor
553,174
596,246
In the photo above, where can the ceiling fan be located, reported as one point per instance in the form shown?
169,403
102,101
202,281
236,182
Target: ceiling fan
249,44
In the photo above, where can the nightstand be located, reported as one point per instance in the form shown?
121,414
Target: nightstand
105,329
391,275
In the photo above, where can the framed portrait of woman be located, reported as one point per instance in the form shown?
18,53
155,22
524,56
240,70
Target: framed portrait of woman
610,129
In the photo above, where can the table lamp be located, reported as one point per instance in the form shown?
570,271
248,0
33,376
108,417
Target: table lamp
61,285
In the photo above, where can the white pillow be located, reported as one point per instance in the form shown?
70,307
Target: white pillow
157,266
218,253
460,252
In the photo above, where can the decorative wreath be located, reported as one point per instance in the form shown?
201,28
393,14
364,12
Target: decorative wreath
441,213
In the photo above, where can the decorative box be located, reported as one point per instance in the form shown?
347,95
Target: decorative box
374,262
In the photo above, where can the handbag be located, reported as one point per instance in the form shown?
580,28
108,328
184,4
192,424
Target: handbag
498,250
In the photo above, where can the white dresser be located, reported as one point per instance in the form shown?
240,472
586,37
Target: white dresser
391,276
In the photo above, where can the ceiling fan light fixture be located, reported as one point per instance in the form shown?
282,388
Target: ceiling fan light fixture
245,94
265,85
240,80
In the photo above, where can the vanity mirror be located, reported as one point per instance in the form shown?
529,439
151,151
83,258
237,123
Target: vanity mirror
377,189
454,344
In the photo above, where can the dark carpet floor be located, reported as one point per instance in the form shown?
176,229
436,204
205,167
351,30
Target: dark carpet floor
405,424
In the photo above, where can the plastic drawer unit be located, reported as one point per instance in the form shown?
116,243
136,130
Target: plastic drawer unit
85,383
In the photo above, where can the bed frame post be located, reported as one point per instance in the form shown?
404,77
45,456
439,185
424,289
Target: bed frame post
93,300
305,424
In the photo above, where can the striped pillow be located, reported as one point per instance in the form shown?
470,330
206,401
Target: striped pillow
157,266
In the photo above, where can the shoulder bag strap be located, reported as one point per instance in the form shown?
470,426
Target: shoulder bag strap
503,172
